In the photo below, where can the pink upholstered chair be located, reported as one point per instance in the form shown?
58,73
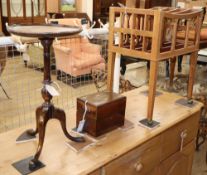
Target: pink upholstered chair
67,21
77,56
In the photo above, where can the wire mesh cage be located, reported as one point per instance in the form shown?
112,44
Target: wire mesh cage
21,76
103,41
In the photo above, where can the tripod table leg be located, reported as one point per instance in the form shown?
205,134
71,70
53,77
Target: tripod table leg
43,119
60,115
31,131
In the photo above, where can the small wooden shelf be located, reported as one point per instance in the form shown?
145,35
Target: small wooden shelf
151,34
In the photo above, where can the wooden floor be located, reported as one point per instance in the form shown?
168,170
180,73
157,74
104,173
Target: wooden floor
199,165
23,86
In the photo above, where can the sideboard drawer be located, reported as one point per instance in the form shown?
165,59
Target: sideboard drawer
140,161
97,172
180,163
172,138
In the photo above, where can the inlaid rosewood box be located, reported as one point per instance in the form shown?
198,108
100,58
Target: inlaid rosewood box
105,112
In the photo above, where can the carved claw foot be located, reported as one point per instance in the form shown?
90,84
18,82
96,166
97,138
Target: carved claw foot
31,132
190,101
33,164
77,139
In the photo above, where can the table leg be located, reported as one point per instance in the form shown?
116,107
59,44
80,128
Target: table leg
60,115
31,131
43,117
44,113
47,111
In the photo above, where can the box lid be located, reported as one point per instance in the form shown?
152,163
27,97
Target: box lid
101,98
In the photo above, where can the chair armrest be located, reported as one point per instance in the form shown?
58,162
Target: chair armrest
63,49
91,48
22,40
203,34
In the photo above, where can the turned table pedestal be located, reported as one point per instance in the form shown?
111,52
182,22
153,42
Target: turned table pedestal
47,111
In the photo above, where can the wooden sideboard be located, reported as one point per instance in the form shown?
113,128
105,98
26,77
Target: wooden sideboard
101,8
153,3
121,152
22,12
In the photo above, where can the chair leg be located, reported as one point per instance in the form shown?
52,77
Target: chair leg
167,69
123,65
25,63
172,70
180,60
197,140
5,91
206,157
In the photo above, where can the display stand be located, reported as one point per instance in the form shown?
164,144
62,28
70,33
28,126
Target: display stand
151,34
47,111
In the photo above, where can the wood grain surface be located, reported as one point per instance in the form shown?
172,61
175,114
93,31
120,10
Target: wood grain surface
60,159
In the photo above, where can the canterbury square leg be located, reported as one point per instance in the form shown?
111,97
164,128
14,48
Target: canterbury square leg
152,90
110,69
191,79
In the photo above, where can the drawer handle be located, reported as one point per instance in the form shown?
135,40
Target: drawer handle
183,135
138,167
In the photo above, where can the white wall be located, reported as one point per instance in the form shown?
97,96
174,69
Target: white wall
174,3
87,7
82,6
0,22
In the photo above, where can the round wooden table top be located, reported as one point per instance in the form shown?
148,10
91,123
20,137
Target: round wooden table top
43,30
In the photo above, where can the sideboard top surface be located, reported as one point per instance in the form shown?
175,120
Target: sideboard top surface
60,159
